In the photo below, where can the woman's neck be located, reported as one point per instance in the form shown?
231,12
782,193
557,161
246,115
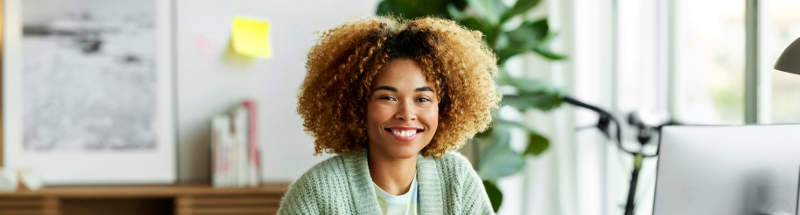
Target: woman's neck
394,176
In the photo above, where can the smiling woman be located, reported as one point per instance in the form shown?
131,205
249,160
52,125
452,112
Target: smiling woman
393,98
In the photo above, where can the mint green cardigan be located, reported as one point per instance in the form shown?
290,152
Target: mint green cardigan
342,185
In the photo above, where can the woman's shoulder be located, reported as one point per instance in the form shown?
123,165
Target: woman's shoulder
454,163
323,180
332,165
455,158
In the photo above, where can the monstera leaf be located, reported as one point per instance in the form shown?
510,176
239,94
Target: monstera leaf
499,160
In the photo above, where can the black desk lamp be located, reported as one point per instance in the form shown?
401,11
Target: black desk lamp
789,61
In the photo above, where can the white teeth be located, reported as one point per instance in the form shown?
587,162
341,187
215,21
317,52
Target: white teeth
404,133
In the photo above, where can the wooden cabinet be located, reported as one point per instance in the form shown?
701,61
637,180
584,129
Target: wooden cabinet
124,200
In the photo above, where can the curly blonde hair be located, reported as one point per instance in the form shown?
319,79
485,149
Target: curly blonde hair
345,60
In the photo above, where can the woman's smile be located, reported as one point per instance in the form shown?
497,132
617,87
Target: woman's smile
404,134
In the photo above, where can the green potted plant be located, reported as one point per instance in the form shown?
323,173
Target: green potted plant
497,159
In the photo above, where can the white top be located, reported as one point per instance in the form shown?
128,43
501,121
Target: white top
405,204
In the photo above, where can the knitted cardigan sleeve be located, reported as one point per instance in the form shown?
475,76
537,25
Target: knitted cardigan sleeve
300,199
321,190
474,199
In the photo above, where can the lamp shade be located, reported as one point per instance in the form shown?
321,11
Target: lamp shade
789,61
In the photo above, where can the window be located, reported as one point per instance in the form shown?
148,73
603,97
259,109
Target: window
709,65
704,51
781,27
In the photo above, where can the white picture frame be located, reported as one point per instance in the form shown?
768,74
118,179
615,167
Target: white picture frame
71,160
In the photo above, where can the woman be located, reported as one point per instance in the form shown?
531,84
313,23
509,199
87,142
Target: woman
393,99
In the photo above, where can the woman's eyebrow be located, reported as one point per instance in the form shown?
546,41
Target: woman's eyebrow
423,89
393,89
386,88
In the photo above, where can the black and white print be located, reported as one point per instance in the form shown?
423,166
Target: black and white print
89,75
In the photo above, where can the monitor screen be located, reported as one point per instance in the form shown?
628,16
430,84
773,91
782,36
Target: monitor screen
751,169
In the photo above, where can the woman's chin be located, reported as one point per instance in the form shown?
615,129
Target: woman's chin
404,153
396,150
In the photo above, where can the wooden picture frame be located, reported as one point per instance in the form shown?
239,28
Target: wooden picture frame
87,91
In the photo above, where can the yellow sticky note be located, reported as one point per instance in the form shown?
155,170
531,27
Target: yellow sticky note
251,37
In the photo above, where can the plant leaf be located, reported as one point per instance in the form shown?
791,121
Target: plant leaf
547,53
494,193
537,144
543,102
499,160
529,33
476,24
532,93
520,7
533,85
482,26
489,10
454,12
508,52
529,36
412,9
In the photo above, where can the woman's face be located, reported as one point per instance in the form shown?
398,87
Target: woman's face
402,112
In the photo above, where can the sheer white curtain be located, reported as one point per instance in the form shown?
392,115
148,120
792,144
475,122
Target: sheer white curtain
569,178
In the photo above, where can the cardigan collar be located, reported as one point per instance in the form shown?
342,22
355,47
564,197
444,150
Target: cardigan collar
364,197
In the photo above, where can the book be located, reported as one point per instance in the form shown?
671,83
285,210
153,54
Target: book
235,148
240,134
220,131
254,153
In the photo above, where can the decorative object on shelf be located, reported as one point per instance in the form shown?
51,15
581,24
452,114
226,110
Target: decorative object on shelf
31,178
87,91
234,148
8,180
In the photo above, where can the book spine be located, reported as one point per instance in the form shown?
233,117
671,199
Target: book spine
240,130
230,158
220,132
254,164
214,157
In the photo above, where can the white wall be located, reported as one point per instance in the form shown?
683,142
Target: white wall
209,83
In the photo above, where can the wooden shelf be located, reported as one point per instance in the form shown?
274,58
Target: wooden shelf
123,200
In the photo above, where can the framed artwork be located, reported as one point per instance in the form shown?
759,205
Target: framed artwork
88,91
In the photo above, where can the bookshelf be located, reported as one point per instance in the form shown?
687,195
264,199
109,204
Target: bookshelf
191,199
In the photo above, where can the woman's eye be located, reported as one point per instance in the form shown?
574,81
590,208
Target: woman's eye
423,100
387,98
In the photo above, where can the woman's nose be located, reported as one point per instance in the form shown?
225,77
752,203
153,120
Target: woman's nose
406,112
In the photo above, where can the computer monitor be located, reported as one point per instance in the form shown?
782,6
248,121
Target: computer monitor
728,170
